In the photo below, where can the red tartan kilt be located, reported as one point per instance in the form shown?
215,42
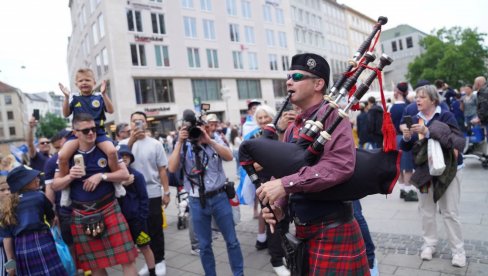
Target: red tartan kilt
115,246
336,251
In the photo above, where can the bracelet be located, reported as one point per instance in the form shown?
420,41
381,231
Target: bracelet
280,130
10,264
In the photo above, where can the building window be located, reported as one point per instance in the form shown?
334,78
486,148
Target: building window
248,89
282,40
95,34
190,27
98,62
237,57
12,131
7,99
393,46
249,34
212,58
279,88
206,5
270,40
105,59
285,63
162,55
1,132
246,9
134,21
234,32
253,60
267,13
193,57
101,26
154,91
158,26
280,18
231,7
273,62
409,42
208,29
206,89
400,44
138,53
10,115
187,4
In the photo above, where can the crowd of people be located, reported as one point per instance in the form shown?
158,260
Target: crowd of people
106,196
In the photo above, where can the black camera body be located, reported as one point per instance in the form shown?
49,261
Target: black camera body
192,122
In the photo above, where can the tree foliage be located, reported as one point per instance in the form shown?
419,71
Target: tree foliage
50,124
454,55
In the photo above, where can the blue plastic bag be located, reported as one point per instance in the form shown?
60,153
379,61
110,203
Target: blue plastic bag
246,190
63,252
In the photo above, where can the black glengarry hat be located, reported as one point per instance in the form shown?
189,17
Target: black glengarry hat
311,63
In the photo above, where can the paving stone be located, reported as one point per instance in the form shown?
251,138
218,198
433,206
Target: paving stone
443,266
405,271
402,260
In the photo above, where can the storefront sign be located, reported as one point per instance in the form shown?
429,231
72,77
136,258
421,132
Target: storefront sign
156,110
140,38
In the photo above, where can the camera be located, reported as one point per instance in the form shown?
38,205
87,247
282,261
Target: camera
192,122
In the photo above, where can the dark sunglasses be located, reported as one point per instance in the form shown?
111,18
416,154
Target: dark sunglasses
87,130
299,77
45,143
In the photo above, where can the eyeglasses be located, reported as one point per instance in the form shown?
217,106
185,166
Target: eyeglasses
299,77
44,143
87,130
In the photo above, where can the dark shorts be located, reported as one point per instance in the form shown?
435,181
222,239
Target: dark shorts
406,162
139,233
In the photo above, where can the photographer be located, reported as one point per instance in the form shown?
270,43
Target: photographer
201,159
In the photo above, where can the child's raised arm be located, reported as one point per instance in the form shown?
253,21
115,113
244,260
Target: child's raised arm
108,103
66,109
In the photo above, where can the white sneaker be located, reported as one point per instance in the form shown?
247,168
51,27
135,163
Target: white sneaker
195,252
65,197
161,268
144,271
426,254
459,260
281,270
119,190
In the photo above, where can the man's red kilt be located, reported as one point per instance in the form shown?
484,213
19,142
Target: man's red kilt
115,246
336,251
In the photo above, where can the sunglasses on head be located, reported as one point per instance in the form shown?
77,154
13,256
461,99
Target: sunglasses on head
300,77
44,143
87,130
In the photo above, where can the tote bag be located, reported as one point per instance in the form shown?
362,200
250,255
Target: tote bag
435,157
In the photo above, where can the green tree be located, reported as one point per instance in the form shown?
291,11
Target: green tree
50,124
454,55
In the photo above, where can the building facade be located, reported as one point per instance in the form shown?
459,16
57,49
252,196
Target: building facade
45,102
163,57
12,120
402,44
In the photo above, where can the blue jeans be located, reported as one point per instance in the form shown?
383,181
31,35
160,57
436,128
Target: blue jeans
218,207
368,241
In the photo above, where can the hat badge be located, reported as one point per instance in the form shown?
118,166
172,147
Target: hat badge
311,63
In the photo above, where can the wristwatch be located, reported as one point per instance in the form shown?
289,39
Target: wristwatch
280,130
104,177
10,264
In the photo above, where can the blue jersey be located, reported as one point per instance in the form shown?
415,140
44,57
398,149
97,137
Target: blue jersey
95,162
93,105
30,212
135,204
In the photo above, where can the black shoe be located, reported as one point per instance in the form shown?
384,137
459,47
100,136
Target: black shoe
411,196
403,193
261,245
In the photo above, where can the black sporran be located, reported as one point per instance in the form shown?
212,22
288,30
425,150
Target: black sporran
93,225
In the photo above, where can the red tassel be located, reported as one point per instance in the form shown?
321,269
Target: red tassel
354,107
389,133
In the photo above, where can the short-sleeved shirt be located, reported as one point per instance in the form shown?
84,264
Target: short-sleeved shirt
93,105
38,161
149,155
30,212
214,176
95,162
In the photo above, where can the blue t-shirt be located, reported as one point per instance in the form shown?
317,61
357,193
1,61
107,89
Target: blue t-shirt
38,161
49,171
135,203
396,112
95,162
93,105
33,205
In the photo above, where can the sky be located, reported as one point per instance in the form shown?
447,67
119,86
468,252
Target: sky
34,34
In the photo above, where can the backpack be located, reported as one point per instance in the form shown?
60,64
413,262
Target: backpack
482,108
